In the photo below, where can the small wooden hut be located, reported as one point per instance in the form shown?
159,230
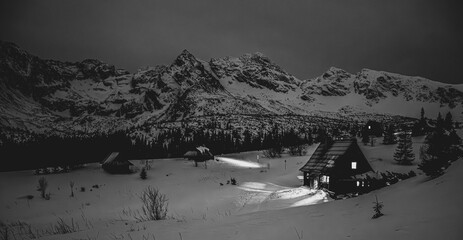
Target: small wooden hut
116,163
340,167
199,154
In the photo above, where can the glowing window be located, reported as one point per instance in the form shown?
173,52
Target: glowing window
358,183
354,165
325,179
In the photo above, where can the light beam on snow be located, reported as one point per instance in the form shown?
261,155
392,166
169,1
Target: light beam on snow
239,163
318,197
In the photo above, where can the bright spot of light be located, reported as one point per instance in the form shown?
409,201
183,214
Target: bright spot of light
239,163
318,197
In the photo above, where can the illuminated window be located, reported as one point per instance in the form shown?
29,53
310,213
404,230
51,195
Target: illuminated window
358,183
325,179
354,165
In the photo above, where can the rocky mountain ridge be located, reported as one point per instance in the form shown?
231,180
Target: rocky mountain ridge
49,95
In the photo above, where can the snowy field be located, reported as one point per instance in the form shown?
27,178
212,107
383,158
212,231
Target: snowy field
268,202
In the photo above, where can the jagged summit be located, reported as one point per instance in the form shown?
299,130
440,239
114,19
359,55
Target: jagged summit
184,57
336,69
186,54
254,55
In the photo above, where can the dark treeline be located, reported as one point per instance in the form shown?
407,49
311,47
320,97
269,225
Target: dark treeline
67,151
53,151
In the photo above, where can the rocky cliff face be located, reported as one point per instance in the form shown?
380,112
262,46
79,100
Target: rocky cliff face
49,95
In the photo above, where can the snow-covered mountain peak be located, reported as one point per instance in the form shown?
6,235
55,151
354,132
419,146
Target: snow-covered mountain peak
185,57
49,93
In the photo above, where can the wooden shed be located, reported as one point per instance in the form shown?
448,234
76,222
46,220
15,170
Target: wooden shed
199,154
340,167
115,162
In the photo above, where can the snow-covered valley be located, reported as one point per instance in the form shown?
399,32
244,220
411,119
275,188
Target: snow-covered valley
268,202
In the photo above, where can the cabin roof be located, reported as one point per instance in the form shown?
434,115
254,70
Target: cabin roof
203,150
325,157
199,151
115,159
111,157
191,154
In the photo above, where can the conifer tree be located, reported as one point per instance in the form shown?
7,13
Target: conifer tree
365,136
143,174
389,137
448,122
439,121
404,152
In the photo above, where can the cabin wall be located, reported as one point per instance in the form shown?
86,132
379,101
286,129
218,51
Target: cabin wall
341,175
343,167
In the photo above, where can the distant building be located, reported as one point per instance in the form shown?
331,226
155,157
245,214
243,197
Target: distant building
340,167
374,128
199,154
117,163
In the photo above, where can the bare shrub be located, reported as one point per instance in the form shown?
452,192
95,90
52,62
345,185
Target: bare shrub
377,208
61,227
42,188
155,205
71,185
4,235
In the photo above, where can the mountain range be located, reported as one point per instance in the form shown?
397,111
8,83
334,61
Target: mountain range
41,95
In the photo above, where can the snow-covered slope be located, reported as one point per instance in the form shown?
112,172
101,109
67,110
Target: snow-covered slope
266,203
385,92
41,95
414,209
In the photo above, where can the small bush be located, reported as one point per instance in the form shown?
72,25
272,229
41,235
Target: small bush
233,181
297,150
42,187
274,152
155,205
143,174
82,189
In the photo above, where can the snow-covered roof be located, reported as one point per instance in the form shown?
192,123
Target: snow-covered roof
198,151
115,159
202,149
325,157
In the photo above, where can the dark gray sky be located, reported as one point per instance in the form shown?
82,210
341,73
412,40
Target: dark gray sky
305,37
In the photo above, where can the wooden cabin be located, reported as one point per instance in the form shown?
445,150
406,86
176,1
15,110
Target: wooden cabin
199,154
115,162
340,167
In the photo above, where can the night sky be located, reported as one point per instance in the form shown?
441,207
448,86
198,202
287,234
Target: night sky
306,37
